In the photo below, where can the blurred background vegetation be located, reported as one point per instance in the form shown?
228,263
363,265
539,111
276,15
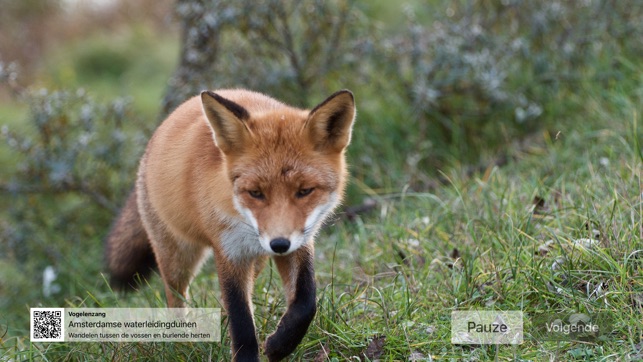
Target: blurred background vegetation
440,85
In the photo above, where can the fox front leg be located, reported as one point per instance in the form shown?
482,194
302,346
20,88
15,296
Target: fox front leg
236,281
298,276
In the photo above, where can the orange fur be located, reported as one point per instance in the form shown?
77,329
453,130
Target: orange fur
246,176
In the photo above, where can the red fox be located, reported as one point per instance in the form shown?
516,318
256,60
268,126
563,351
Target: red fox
248,177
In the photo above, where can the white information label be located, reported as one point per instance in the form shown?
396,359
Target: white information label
135,325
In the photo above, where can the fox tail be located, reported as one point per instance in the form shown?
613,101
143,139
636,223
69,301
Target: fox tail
129,255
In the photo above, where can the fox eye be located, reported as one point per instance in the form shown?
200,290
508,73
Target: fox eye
257,194
304,192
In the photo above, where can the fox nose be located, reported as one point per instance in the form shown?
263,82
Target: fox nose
280,245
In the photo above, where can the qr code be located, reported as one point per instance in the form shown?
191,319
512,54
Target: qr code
47,324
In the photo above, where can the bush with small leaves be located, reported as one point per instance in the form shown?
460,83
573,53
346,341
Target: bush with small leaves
490,71
73,164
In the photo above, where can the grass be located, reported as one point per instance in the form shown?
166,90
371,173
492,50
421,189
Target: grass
388,281
395,275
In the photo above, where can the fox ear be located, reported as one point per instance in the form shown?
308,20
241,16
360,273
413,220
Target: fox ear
330,124
227,120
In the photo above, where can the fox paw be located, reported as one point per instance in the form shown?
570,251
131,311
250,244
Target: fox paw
275,349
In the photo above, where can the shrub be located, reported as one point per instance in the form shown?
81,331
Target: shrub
296,51
490,71
73,165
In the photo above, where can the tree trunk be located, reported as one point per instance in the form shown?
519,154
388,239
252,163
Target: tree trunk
200,30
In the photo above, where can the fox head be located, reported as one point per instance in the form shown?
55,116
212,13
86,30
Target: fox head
286,165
